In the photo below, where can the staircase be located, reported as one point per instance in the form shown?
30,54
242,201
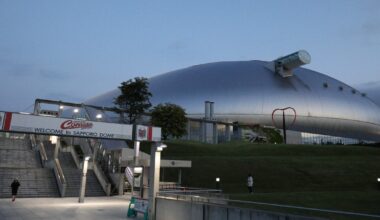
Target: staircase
73,177
18,160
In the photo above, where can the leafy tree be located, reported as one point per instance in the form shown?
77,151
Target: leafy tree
171,118
134,98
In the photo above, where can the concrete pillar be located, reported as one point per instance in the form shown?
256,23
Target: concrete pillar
211,116
83,181
202,131
227,133
207,109
145,182
121,184
214,133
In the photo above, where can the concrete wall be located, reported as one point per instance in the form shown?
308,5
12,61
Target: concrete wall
168,209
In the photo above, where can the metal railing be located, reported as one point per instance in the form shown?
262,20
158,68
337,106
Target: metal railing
211,198
62,184
106,185
43,155
99,173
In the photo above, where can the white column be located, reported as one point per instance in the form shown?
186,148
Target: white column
154,180
83,181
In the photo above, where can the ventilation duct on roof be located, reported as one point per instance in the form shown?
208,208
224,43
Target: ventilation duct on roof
285,65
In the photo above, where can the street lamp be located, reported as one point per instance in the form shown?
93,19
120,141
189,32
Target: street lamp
217,183
161,146
83,181
154,176
75,111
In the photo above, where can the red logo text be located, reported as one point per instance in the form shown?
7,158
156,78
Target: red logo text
71,124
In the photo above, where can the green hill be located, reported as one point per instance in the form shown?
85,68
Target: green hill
331,177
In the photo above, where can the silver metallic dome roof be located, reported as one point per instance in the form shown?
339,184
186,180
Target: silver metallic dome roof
248,92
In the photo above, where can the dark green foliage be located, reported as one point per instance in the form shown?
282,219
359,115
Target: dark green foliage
171,118
134,98
331,177
273,135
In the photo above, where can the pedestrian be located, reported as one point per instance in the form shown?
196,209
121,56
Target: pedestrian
250,183
15,184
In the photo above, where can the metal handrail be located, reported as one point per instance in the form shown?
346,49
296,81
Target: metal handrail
60,177
42,150
178,196
99,173
75,157
106,185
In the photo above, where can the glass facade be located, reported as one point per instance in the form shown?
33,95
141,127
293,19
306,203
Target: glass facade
310,138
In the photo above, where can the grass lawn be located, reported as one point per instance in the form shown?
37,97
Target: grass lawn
327,177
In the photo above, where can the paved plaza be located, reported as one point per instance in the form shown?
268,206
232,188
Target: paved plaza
94,208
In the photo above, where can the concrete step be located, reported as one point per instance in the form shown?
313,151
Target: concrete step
49,149
14,144
73,178
37,182
19,158
66,160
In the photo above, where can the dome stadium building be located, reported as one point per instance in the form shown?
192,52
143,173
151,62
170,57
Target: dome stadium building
319,107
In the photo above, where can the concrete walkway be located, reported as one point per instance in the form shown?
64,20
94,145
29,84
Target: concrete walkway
94,208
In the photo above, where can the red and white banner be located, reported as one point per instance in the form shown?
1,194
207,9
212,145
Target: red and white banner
15,122
148,133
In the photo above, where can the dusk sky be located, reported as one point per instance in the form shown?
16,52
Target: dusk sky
73,50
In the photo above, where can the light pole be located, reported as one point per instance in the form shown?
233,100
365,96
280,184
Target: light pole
217,183
83,181
154,177
135,164
99,117
75,111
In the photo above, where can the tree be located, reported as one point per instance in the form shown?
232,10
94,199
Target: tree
134,98
171,118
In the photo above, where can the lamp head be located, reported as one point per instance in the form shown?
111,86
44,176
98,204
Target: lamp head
161,146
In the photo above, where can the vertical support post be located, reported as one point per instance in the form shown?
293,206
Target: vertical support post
179,176
135,164
283,125
56,147
155,163
60,109
36,110
227,133
83,181
214,133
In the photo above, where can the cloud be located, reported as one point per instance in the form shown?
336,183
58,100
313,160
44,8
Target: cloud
53,75
177,45
371,28
18,70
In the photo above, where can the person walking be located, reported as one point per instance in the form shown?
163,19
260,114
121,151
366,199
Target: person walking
250,183
15,185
